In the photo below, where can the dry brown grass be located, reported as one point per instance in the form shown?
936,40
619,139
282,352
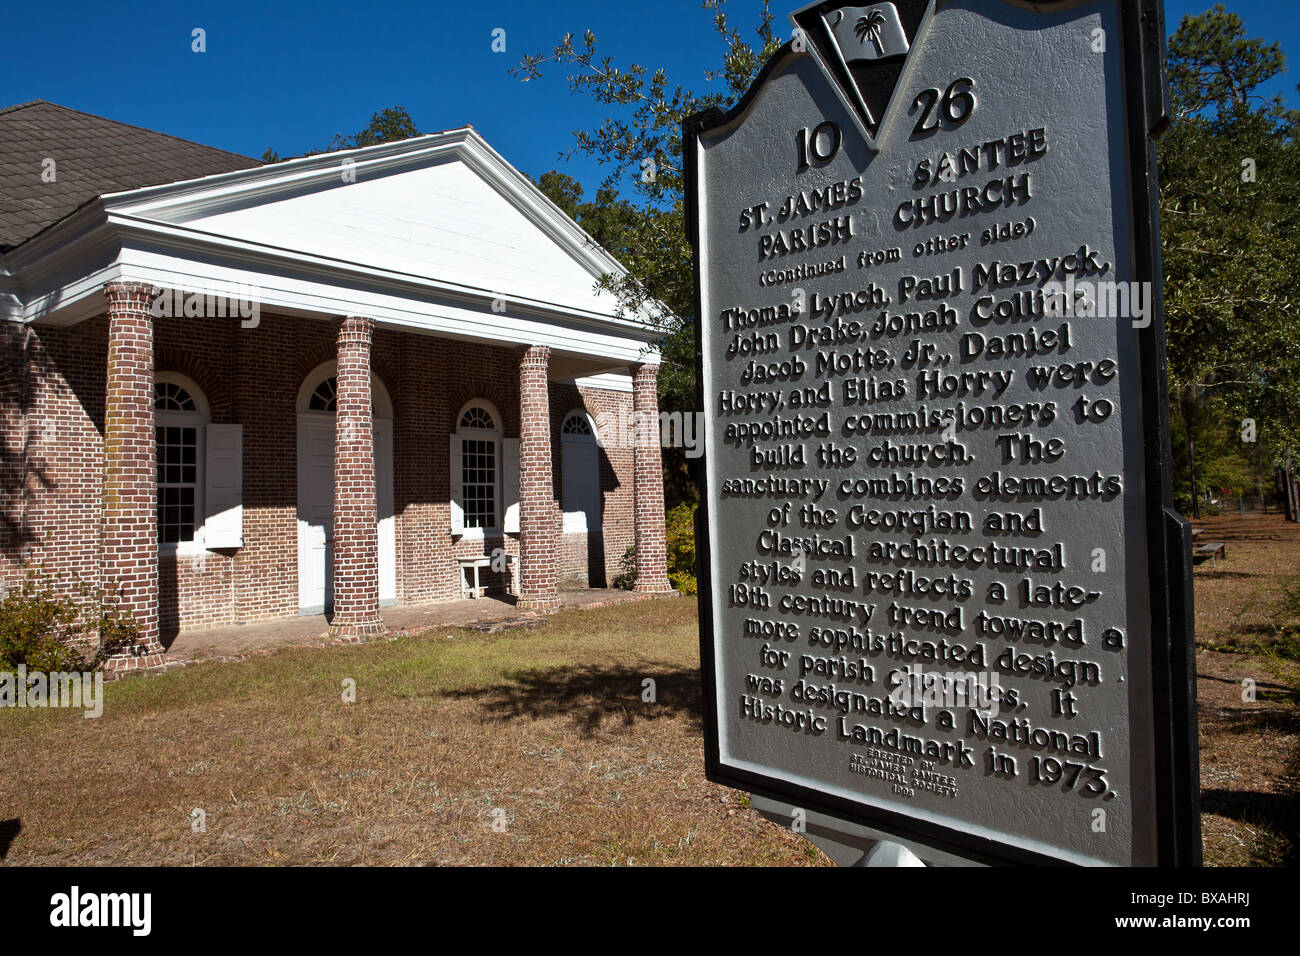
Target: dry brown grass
1250,751
547,725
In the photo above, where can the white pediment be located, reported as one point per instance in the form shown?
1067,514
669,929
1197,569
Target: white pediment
443,207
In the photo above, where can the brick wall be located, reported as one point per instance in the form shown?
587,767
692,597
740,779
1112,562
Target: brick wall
52,412
438,378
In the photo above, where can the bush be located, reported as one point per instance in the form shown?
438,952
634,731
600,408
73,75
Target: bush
626,577
680,534
49,627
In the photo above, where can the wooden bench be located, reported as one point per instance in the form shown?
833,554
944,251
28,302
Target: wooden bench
1211,550
477,563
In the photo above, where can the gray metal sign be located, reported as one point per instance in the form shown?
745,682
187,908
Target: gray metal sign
943,590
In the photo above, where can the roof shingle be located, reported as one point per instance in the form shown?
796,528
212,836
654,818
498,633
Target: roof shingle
92,156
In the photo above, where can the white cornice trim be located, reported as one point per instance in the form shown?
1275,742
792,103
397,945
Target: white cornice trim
93,230
480,155
58,242
607,381
183,238
11,300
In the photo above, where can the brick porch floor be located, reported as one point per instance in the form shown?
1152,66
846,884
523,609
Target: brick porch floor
242,640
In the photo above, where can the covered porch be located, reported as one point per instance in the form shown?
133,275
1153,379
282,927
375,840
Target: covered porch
332,385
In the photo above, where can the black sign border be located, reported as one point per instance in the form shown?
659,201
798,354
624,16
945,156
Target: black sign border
1169,538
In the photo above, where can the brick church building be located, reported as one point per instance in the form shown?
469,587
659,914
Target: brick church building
235,392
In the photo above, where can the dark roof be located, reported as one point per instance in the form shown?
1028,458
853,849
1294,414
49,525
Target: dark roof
92,156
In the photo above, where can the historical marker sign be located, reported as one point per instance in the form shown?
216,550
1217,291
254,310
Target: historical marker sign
943,590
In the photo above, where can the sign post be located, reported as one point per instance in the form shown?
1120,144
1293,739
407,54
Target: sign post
945,598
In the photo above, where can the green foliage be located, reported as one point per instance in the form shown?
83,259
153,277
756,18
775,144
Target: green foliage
626,577
1230,224
608,220
680,544
1212,64
1225,465
387,126
680,539
49,626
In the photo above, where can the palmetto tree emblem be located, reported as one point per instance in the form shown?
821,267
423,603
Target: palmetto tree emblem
841,48
869,27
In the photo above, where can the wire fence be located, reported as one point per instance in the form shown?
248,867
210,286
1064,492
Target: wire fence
1241,505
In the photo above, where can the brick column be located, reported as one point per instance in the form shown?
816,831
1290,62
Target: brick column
356,532
129,545
539,541
648,484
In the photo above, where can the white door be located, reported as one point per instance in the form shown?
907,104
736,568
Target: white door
387,521
316,512
580,483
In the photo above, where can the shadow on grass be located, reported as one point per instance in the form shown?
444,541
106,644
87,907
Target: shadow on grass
595,697
1266,692
1253,720
1211,575
1277,813
9,830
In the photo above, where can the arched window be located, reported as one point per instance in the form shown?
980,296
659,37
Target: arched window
320,390
476,416
325,398
172,397
476,469
577,423
181,414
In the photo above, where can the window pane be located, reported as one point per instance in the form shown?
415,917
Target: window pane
178,477
478,482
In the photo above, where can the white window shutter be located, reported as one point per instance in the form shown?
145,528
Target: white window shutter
510,483
457,493
223,487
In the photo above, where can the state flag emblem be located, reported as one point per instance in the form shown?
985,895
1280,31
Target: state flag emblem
867,33
863,49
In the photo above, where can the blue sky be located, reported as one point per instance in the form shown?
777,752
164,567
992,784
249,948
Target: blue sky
291,75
